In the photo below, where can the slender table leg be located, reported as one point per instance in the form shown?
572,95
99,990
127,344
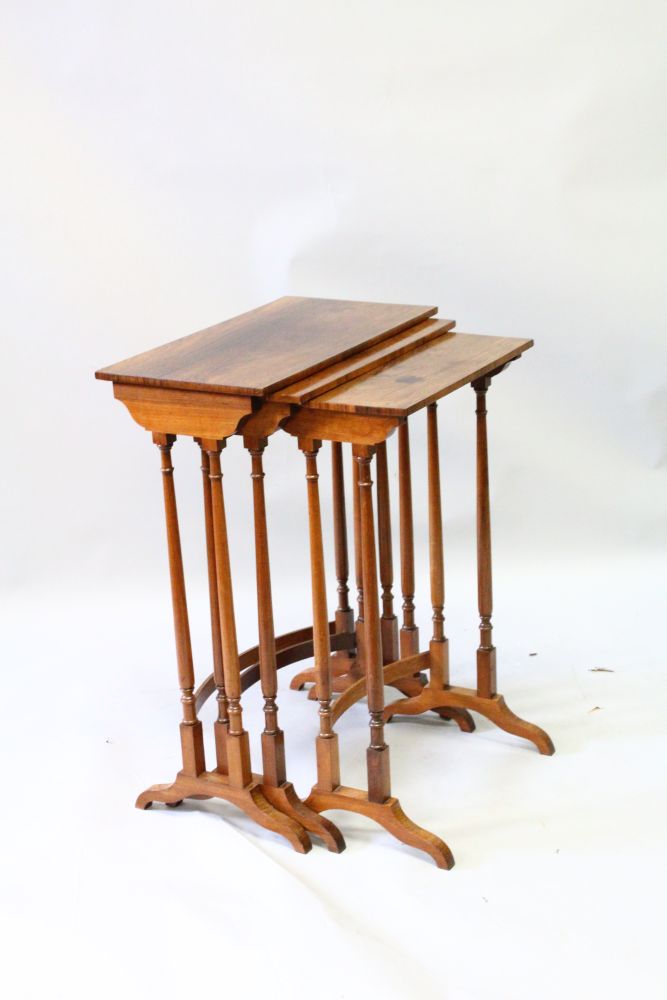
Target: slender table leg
378,803
486,652
192,738
348,671
388,622
439,695
344,613
238,785
238,745
428,697
409,636
275,786
379,784
344,667
221,724
328,761
358,565
439,645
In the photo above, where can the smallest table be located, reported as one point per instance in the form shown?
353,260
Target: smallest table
343,372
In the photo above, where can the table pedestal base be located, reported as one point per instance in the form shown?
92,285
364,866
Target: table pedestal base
495,709
346,671
251,799
388,814
448,699
285,799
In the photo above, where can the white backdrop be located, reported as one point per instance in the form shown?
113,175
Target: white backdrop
165,166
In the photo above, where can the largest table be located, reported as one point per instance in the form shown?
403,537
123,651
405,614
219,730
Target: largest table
342,372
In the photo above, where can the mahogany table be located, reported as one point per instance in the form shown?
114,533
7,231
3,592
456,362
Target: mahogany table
343,372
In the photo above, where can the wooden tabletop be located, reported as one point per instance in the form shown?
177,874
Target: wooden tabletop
419,378
260,351
328,355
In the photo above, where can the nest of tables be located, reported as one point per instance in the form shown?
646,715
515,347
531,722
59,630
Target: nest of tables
321,370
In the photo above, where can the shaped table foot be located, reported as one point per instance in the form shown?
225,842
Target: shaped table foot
413,687
285,799
387,814
251,800
495,709
342,667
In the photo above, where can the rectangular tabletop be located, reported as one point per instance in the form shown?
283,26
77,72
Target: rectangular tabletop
422,376
267,348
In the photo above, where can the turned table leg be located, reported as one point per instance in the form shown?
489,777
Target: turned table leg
486,652
409,635
344,666
192,739
358,564
377,803
275,786
379,783
450,701
388,622
328,761
221,724
238,746
344,613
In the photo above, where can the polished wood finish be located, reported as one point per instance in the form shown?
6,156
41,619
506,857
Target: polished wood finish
328,793
328,762
344,613
243,790
358,563
346,665
221,724
438,693
277,789
238,745
192,739
307,423
251,799
389,621
260,351
343,372
290,648
370,359
404,675
423,376
377,754
495,709
177,411
439,645
387,814
273,738
409,634
486,652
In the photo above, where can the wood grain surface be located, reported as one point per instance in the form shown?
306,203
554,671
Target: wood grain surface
422,376
262,350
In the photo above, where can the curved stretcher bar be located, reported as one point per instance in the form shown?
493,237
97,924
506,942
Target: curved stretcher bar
290,648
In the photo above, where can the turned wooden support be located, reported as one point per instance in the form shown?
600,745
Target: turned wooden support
328,762
486,652
192,740
273,738
358,564
238,746
221,724
409,635
439,644
344,613
377,755
388,622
